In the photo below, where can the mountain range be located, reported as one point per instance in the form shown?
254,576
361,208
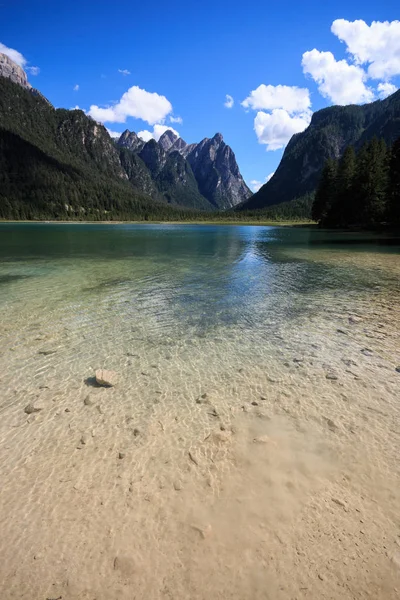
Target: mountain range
57,163
331,130
203,176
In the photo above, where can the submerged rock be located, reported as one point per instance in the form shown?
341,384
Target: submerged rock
31,409
106,378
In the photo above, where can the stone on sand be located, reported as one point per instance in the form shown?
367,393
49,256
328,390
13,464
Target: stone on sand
106,378
30,408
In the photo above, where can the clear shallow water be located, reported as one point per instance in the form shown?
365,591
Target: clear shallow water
245,315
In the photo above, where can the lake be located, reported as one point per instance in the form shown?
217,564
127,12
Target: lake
254,429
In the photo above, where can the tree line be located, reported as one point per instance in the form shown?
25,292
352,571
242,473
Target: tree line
360,190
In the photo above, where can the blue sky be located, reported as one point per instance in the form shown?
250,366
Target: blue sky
180,59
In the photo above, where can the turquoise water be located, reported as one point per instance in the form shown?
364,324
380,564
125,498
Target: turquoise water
96,292
203,275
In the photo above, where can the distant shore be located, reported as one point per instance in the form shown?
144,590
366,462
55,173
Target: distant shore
194,222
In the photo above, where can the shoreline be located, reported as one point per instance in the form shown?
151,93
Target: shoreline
194,222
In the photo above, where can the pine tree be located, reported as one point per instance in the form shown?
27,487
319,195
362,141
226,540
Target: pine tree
326,193
370,184
342,206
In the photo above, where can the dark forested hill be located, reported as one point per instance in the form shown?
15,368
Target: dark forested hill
330,132
60,164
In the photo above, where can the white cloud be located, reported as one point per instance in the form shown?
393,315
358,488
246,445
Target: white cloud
16,56
176,120
385,90
114,134
256,185
33,70
268,177
268,97
76,87
137,103
157,132
275,129
124,71
337,80
377,45
229,101
146,135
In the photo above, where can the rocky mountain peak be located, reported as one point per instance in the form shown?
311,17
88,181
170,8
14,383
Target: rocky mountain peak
168,139
178,146
211,163
10,69
218,138
130,140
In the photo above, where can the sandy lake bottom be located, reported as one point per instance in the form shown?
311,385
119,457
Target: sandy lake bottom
250,449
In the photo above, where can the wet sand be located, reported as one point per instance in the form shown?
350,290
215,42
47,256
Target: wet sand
223,466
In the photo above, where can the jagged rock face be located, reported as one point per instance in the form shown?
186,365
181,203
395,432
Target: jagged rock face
178,184
167,140
9,69
154,157
211,165
217,173
179,146
130,140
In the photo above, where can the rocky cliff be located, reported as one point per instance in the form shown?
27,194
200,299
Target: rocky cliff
212,175
330,131
9,69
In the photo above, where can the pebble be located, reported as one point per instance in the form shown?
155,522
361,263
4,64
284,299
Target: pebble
367,352
205,532
338,502
331,375
106,378
354,319
87,401
177,486
47,351
331,424
121,455
31,409
398,369
349,363
136,432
